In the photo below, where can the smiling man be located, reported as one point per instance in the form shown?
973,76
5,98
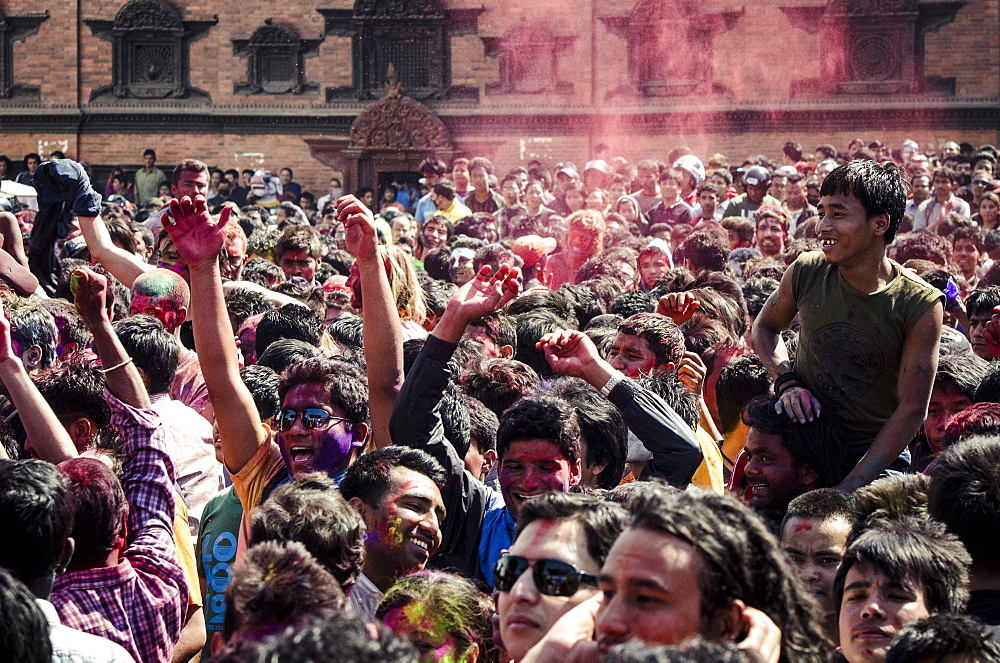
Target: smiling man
395,490
869,329
786,459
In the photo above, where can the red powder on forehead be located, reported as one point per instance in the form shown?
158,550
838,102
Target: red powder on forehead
803,527
542,531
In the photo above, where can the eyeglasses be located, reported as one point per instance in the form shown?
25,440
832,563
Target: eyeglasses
313,418
552,577
981,182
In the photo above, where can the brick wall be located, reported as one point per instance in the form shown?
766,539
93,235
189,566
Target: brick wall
755,61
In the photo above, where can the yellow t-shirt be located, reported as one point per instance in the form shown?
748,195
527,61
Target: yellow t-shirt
709,474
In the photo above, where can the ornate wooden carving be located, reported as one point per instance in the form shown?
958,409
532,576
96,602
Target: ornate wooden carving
276,61
396,122
149,52
16,28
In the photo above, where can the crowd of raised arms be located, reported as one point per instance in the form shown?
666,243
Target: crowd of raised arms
672,410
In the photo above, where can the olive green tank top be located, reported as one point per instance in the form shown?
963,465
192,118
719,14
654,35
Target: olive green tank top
851,343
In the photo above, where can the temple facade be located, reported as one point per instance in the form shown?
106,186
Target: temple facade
363,87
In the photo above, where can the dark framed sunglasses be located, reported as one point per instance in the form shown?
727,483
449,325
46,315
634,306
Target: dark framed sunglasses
981,182
313,418
552,577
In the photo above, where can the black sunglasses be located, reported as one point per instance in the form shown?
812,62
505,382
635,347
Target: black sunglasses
552,577
981,182
313,418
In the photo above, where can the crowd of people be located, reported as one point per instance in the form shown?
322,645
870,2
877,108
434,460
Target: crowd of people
675,410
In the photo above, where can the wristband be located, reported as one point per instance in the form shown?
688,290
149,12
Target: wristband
612,382
117,366
783,379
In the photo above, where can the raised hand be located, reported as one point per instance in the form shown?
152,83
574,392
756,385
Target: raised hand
486,293
197,236
90,293
359,228
678,306
569,352
691,372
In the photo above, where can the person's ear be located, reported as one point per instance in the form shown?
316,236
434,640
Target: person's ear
596,468
181,315
367,513
81,430
472,653
489,460
32,357
733,626
881,222
807,475
359,433
505,352
69,545
575,472
145,379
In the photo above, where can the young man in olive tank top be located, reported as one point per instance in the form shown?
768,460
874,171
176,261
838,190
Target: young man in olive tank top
869,329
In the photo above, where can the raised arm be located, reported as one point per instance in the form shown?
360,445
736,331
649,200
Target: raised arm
675,448
120,374
917,368
198,238
124,266
795,400
46,434
383,334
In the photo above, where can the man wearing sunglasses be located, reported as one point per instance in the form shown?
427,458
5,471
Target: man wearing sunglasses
561,542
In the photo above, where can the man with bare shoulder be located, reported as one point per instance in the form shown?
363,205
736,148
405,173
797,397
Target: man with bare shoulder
869,329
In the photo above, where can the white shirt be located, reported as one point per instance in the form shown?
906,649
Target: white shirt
931,210
72,646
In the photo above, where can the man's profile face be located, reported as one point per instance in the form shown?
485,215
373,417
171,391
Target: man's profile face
191,184
873,610
525,613
533,467
650,584
978,323
815,547
405,528
328,449
947,400
632,355
298,262
774,476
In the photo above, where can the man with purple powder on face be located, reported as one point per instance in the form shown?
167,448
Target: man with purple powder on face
323,423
